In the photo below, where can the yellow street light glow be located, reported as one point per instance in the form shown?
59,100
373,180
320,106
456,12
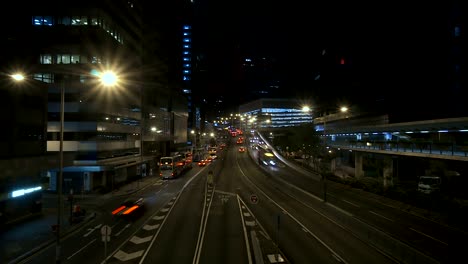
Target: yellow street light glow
17,77
109,78
344,109
305,109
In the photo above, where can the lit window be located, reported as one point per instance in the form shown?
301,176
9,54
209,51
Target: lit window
186,46
187,65
186,40
186,59
95,59
457,31
187,71
46,59
187,27
75,58
44,77
186,78
63,59
76,21
94,21
42,21
186,52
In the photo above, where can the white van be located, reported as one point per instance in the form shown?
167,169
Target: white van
429,184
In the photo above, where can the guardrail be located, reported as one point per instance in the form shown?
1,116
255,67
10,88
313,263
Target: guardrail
412,147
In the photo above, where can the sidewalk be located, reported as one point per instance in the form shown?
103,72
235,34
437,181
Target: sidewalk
24,238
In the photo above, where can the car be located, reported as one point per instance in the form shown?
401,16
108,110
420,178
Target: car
241,149
202,163
130,208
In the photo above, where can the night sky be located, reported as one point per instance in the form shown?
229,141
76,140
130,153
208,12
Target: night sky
390,49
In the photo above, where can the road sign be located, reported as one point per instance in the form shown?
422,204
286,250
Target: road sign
254,198
106,230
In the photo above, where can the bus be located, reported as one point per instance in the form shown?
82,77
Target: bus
212,150
171,167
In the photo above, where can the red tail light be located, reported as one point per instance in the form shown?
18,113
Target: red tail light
129,210
116,211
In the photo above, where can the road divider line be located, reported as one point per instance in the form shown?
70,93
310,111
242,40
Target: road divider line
424,234
81,249
246,237
384,217
295,219
353,204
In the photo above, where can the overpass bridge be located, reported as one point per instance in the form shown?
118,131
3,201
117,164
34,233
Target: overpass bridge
440,139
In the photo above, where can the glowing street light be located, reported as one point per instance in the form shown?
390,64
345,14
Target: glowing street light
109,78
17,77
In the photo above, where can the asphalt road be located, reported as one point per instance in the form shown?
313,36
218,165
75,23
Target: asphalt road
251,214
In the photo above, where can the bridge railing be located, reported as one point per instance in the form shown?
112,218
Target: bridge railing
416,147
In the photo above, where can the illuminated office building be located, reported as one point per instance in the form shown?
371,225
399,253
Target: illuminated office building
274,113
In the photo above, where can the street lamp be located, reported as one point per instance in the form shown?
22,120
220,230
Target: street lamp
108,79
193,132
17,77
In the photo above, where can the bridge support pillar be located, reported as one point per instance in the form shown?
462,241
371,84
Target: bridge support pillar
333,165
358,171
388,172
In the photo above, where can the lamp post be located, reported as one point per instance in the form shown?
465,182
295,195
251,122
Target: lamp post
59,180
107,78
194,133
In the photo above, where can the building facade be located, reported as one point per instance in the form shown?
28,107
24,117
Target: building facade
273,113
111,134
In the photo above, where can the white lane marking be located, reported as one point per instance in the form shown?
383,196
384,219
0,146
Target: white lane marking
81,249
337,259
227,193
250,223
246,237
275,258
417,231
90,230
139,240
246,214
339,209
295,219
150,227
175,199
159,217
384,217
125,227
164,210
201,233
353,204
122,256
